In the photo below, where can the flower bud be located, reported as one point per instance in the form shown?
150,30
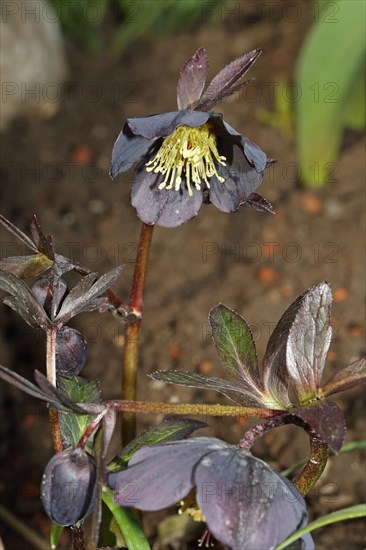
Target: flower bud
46,291
71,352
67,488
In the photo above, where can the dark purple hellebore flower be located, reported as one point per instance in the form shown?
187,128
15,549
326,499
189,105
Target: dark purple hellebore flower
191,156
246,504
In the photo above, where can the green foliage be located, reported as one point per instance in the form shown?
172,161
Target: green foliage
55,535
127,522
330,74
81,391
352,512
84,20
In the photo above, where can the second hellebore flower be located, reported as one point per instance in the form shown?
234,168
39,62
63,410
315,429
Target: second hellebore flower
191,156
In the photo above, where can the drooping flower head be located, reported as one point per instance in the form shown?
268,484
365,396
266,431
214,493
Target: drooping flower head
191,156
245,503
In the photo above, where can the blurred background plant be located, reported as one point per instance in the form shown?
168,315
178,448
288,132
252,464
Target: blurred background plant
334,63
88,22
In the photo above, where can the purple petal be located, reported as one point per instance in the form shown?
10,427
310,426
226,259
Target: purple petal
156,126
241,179
308,341
167,208
127,150
327,421
255,155
192,80
246,504
221,85
161,475
347,378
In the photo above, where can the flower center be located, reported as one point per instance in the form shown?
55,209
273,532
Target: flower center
189,150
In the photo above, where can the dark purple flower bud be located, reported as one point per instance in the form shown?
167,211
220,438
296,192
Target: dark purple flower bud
67,489
71,352
48,292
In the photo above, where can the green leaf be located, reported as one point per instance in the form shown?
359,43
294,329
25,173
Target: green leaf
169,430
127,522
328,68
357,511
354,114
235,346
110,534
55,535
81,391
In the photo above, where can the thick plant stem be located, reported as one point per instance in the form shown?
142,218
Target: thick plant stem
191,408
319,451
51,376
313,469
77,536
132,334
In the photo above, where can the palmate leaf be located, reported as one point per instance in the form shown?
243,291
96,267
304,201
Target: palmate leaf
308,341
168,430
347,378
80,391
192,80
23,301
235,346
45,392
327,421
87,295
239,394
26,266
224,83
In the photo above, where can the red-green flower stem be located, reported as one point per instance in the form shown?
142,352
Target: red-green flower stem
51,376
132,334
191,408
313,469
319,451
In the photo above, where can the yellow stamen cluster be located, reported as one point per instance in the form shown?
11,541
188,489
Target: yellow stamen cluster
193,511
191,151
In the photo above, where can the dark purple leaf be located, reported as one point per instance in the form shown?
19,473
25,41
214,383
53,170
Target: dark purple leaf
192,80
68,486
71,352
23,301
18,233
26,266
222,84
57,394
257,202
327,421
43,243
235,346
350,377
241,395
87,295
168,430
160,475
276,378
31,389
246,504
308,341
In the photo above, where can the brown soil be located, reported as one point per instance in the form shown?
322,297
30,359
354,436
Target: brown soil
256,264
